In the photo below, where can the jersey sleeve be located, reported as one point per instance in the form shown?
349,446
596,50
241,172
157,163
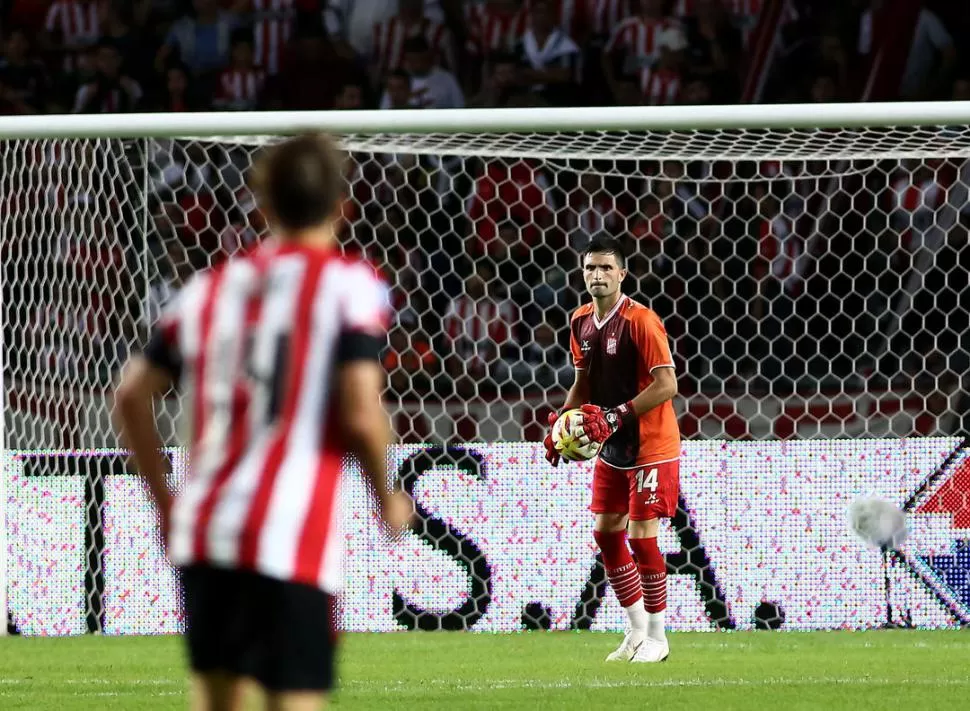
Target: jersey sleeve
163,349
579,358
365,316
653,342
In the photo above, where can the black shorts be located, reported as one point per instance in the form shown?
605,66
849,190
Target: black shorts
279,633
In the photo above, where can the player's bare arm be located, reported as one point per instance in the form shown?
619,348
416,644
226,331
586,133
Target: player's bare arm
134,413
368,434
578,392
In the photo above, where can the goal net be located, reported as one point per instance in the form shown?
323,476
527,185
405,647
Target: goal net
813,282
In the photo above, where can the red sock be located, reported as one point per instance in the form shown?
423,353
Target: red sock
653,573
621,571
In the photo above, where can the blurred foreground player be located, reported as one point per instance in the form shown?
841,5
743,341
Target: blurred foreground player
624,385
278,356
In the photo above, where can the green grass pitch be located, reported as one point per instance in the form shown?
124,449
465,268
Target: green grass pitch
533,670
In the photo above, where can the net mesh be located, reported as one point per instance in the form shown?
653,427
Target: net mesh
813,283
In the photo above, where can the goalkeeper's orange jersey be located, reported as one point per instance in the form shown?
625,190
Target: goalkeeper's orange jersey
619,355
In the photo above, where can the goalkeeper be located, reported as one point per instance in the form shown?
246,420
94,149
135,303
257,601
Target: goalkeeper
624,385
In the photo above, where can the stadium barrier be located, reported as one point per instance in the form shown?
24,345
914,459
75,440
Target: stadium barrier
502,541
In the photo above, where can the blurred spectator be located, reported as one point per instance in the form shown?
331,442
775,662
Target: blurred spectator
660,83
431,86
960,91
697,91
410,361
478,328
884,31
633,45
833,61
500,83
544,363
69,28
352,21
312,73
410,21
179,93
111,92
551,61
590,210
124,23
495,26
24,78
272,29
201,40
397,91
516,190
824,89
241,85
350,97
247,224
714,47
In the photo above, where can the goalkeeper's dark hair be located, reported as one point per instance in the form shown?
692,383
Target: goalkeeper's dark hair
605,244
300,181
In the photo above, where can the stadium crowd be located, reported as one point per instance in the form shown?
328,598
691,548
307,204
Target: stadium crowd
744,261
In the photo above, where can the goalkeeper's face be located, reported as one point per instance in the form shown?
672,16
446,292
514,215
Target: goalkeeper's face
602,274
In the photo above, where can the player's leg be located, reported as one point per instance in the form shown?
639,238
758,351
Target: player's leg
653,495
213,612
295,660
296,701
610,495
218,691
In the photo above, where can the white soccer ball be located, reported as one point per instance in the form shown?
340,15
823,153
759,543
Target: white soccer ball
878,522
566,434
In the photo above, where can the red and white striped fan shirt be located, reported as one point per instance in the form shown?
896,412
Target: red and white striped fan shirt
257,342
272,30
660,86
77,23
740,8
491,31
637,38
390,35
240,89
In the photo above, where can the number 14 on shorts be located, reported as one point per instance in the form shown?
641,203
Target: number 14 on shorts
647,479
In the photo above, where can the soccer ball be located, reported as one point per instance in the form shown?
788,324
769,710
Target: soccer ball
565,437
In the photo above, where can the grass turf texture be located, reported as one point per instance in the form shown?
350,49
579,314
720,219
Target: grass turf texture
831,670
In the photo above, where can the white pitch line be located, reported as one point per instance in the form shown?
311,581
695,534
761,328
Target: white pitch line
646,683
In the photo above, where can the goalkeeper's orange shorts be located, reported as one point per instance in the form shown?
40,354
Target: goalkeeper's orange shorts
644,493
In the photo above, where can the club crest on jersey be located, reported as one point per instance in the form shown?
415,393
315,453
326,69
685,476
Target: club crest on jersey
611,346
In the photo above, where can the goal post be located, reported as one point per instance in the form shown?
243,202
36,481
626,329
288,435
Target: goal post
809,261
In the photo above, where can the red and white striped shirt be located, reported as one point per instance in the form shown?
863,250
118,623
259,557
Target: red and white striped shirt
660,86
601,17
637,38
740,8
272,30
257,340
76,21
491,31
390,35
240,89
77,24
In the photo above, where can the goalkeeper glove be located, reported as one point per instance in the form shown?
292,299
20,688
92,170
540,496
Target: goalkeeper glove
552,454
599,424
